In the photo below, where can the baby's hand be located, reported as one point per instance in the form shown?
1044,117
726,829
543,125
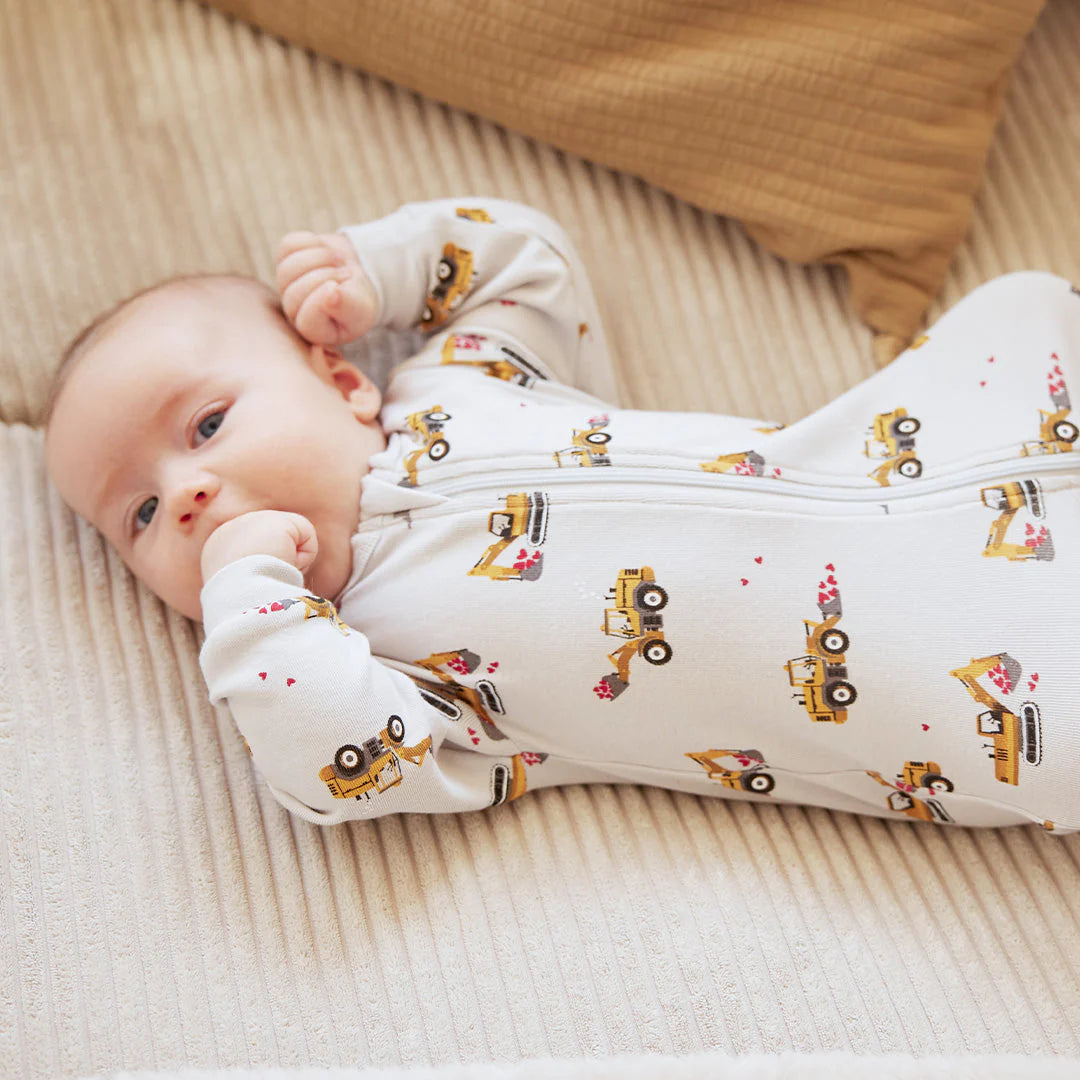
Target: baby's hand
291,537
324,290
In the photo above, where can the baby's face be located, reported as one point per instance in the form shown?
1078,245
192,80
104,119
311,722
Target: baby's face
198,405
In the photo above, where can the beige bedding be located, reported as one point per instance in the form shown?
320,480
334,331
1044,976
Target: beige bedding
158,910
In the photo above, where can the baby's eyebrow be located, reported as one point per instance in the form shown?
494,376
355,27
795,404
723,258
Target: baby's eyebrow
153,425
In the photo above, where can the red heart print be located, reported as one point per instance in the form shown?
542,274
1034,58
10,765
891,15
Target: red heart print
776,472
276,606
745,581
1034,676
262,675
926,727
289,682
522,553
831,580
991,360
472,731
829,566
758,560
262,611
982,382
492,666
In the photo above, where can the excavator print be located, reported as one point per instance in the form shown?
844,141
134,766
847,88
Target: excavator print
589,445
821,675
508,782
428,425
482,698
1012,737
635,616
499,361
1056,433
915,775
318,607
747,463
524,515
894,434
358,771
1009,499
751,777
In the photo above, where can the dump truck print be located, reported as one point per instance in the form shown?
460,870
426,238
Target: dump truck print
751,777
454,274
1012,736
746,463
903,802
893,438
511,365
1056,433
1008,500
508,782
821,675
635,616
375,766
588,445
428,425
483,698
524,518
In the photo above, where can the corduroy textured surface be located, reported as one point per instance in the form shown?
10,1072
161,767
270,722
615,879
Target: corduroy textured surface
840,130
158,909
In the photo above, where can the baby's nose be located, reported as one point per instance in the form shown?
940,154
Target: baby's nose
199,497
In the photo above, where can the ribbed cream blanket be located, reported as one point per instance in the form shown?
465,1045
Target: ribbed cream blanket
159,911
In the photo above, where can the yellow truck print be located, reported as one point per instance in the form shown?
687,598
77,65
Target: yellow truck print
454,274
524,515
1012,737
374,767
428,425
498,361
638,601
894,436
752,777
821,675
589,445
1009,499
903,802
1056,433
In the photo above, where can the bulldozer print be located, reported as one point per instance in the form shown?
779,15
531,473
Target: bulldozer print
482,698
751,777
318,607
524,515
1056,433
498,361
454,274
894,434
747,463
1009,499
508,782
638,601
375,766
428,425
1012,737
821,675
904,802
589,445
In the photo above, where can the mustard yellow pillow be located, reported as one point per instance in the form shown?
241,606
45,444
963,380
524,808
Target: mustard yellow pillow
839,131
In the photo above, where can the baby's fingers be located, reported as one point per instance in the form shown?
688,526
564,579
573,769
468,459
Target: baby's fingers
319,317
296,264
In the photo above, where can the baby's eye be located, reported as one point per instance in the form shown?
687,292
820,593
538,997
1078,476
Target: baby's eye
212,421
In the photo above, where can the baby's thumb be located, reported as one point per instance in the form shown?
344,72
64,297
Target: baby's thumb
306,540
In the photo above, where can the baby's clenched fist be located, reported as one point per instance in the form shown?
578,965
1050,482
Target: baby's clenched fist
285,535
325,292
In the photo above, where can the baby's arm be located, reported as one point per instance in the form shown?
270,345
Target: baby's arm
483,266
335,732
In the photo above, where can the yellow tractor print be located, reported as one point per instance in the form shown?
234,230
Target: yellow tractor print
428,425
589,444
454,274
498,361
895,431
748,463
1010,498
821,675
508,782
638,599
1056,433
752,777
524,515
903,802
374,767
1012,737
482,698
475,215
318,607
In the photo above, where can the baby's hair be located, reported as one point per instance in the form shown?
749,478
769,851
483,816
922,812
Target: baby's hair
80,344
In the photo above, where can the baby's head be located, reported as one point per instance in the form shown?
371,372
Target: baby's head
195,401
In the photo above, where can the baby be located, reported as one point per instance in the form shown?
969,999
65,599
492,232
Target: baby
491,581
